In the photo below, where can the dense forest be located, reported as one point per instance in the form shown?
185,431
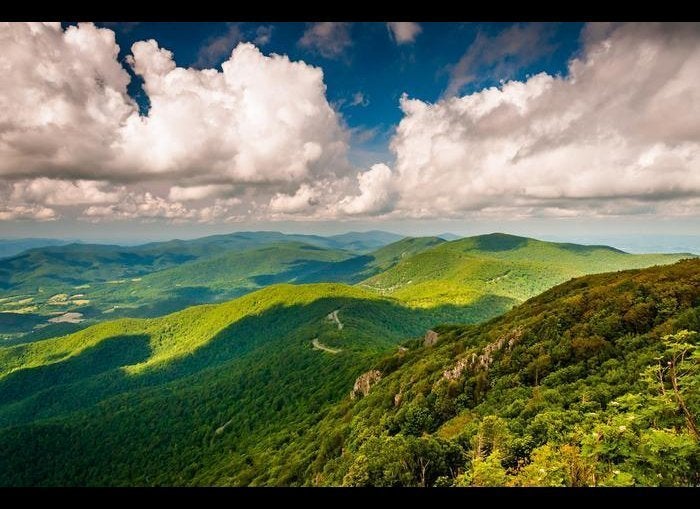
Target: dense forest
593,383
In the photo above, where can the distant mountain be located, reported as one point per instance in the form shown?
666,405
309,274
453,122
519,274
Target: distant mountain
12,247
59,289
363,242
512,268
449,236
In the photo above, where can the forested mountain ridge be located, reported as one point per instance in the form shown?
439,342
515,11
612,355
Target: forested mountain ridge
596,382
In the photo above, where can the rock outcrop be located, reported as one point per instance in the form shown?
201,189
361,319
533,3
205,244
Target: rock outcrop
431,337
364,383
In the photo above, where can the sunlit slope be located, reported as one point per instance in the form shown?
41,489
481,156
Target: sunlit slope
507,266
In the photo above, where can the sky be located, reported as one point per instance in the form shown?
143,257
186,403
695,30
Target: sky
126,131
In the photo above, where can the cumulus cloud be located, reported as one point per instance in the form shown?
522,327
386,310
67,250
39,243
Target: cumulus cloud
404,32
66,118
327,38
303,200
63,100
499,56
141,206
376,192
623,127
619,133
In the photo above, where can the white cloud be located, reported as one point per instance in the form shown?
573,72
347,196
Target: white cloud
303,200
376,192
27,212
239,125
327,38
618,134
404,31
193,193
623,126
64,192
140,206
62,100
65,116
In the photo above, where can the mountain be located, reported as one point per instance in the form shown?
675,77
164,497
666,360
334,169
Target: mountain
561,390
363,242
596,382
511,268
52,284
12,247
57,290
158,401
449,236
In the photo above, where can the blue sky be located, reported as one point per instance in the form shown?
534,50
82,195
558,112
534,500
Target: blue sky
134,131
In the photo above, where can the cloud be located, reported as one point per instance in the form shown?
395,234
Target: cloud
404,32
376,193
63,100
327,38
263,34
67,121
64,193
620,132
303,200
26,212
238,124
193,193
359,99
501,55
218,47
141,206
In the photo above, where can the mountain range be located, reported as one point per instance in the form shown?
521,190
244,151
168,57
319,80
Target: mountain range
259,358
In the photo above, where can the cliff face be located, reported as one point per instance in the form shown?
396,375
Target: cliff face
364,383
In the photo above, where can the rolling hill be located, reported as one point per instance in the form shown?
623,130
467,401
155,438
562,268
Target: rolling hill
57,290
177,391
78,284
505,266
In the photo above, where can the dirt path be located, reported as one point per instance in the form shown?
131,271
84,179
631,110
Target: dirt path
334,317
320,346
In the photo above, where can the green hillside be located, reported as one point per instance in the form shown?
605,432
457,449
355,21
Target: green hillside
510,267
40,286
155,401
596,382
